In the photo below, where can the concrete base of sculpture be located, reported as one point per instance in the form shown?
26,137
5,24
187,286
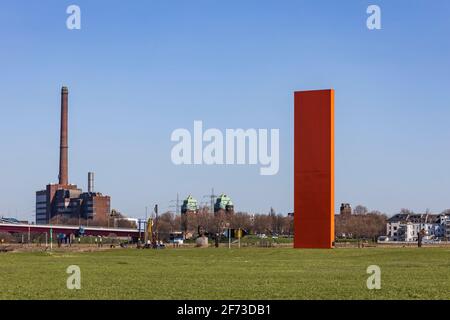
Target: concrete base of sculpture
201,242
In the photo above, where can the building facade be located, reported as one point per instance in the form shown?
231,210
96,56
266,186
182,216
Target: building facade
190,205
406,227
345,210
62,203
224,204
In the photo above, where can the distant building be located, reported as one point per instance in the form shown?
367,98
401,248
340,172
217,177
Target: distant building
190,205
224,205
346,210
406,227
188,208
69,202
447,228
11,220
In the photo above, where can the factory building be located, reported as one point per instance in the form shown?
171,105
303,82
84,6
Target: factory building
188,208
223,205
190,205
64,200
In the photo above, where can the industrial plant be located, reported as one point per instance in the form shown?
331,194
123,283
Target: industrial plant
65,201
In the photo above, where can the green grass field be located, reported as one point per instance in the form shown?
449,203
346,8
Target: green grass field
247,273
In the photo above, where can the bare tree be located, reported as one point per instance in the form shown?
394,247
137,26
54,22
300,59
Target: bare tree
406,211
370,225
166,225
262,224
360,209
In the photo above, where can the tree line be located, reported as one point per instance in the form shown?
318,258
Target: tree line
205,222
360,224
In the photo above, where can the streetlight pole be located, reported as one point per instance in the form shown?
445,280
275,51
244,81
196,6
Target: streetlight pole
239,236
51,239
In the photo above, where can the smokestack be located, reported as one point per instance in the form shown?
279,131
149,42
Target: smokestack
90,182
64,146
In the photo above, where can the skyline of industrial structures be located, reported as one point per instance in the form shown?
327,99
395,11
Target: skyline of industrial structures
63,203
65,200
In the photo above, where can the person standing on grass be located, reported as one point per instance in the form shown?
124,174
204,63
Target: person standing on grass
216,241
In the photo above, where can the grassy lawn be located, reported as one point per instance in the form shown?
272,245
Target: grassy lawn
247,273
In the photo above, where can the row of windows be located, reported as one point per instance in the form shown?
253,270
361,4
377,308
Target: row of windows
70,205
41,198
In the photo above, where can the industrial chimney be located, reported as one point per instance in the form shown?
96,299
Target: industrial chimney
90,182
64,147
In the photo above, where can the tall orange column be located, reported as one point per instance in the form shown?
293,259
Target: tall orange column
314,169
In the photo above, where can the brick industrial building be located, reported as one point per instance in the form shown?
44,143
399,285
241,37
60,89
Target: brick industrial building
65,200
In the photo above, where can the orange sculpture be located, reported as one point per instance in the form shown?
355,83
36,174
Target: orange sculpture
314,169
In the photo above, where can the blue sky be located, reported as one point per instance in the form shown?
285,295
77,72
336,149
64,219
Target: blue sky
137,70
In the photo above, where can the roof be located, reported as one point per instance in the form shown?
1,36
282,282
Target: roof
415,218
190,204
223,201
8,220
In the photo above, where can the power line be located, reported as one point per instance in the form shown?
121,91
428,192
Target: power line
176,205
212,198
